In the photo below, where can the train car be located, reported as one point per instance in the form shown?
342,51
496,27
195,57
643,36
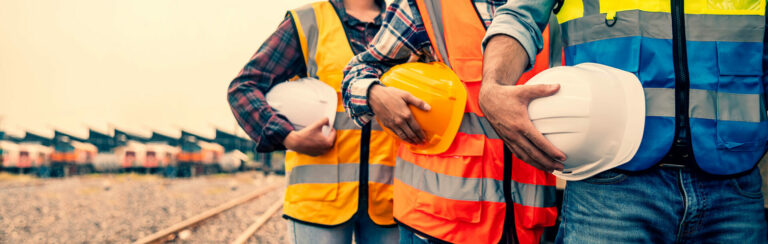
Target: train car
72,157
33,156
159,156
106,162
210,156
198,158
9,155
131,156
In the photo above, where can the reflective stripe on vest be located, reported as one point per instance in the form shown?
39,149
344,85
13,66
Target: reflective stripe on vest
324,189
471,189
454,195
724,39
333,173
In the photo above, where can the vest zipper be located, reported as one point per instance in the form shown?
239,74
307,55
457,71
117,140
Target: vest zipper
362,200
681,151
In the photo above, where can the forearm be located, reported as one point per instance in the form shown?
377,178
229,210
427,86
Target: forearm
504,60
523,20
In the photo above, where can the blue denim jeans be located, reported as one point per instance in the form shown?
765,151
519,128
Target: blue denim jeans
362,227
663,205
408,237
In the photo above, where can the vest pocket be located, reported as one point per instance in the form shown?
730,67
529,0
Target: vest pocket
739,110
453,197
312,178
468,69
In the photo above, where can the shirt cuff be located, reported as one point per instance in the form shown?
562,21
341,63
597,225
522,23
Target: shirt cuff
360,112
277,130
508,25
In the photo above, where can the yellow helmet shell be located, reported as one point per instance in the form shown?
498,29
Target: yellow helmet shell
437,85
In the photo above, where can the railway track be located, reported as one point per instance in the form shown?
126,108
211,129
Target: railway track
170,233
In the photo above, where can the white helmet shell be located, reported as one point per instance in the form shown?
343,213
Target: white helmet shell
596,118
304,102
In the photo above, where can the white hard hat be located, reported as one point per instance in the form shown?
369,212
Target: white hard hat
596,118
304,102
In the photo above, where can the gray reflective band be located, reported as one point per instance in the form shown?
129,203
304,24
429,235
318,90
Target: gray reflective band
729,28
706,104
306,15
472,189
343,122
475,125
380,173
435,13
555,42
335,173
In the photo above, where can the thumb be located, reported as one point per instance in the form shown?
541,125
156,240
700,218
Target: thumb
537,91
318,125
331,138
410,99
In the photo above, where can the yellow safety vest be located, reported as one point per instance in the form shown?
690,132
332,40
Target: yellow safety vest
325,189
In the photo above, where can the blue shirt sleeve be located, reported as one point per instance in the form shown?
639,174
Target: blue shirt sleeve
523,20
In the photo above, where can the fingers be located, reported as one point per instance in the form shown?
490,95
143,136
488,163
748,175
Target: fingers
421,137
536,156
541,143
420,104
535,91
402,135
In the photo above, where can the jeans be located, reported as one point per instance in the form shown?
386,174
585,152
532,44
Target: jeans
663,205
408,237
363,228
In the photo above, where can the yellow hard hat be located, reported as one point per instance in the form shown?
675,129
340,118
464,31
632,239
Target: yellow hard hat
437,85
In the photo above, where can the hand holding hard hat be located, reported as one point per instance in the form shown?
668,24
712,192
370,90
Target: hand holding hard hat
596,118
310,106
437,97
392,108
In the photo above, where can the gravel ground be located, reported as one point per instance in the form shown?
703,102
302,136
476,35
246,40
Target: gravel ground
120,208
228,225
273,232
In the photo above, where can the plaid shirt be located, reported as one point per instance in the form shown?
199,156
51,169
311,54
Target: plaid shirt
278,59
402,35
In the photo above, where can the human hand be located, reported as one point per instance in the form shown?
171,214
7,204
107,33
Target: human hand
311,140
506,108
391,108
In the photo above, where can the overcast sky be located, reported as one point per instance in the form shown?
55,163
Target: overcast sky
139,64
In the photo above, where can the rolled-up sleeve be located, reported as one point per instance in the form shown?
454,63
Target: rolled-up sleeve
523,20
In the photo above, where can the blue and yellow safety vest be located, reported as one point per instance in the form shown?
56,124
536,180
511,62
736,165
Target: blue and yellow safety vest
700,63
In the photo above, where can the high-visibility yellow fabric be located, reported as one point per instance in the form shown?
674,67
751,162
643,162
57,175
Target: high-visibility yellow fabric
326,51
575,9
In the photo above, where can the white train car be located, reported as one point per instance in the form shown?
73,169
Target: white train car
131,155
9,155
158,156
32,156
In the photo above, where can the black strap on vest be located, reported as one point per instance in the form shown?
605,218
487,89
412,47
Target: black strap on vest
509,234
365,143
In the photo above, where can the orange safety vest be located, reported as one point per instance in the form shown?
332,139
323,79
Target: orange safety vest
461,195
325,190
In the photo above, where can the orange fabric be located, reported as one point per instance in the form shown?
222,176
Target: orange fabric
470,156
446,219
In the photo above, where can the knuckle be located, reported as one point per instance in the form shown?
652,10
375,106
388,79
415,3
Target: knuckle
398,121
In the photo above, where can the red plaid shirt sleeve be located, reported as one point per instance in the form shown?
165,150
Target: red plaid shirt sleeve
278,59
